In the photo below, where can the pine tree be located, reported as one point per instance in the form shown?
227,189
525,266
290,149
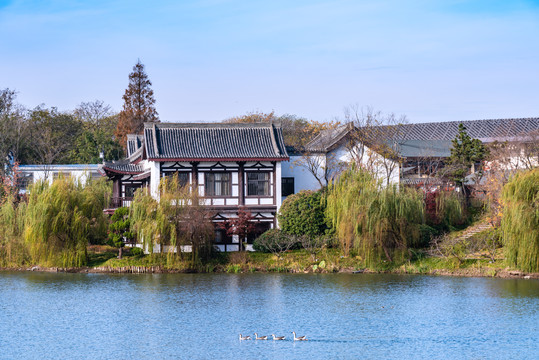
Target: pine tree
465,152
138,105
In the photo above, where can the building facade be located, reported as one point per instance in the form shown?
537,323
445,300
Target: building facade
232,166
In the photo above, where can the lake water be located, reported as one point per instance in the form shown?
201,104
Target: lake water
199,316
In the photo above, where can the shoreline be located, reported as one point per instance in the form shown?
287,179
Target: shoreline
464,272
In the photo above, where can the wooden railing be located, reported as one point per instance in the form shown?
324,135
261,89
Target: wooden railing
116,202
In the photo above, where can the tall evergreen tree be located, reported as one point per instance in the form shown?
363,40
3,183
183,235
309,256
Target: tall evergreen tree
138,105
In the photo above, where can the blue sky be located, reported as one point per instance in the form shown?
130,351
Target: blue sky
212,59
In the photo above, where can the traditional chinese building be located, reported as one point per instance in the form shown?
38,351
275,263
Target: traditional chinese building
231,165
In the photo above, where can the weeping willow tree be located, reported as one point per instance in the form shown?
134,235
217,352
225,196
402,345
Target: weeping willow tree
61,219
13,251
452,209
177,220
378,222
520,221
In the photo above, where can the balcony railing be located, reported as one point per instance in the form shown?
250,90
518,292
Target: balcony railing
116,202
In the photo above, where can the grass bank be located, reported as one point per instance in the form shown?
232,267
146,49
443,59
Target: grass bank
105,259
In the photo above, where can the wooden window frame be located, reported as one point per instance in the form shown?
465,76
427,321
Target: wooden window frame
293,184
225,187
266,183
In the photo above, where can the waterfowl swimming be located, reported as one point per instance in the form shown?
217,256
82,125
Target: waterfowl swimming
245,337
277,337
299,338
260,337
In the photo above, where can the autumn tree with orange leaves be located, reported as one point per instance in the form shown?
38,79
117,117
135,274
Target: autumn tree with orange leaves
138,105
297,131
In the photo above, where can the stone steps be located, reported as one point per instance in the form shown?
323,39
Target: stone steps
471,231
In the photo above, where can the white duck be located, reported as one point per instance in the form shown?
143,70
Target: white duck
277,337
247,337
260,337
299,338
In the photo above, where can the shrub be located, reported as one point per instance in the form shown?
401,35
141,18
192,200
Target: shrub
303,214
136,251
274,241
120,229
314,244
427,234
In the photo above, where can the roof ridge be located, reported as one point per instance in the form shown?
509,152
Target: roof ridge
476,120
273,142
218,125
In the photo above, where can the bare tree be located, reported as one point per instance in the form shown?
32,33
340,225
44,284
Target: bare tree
93,114
375,142
322,166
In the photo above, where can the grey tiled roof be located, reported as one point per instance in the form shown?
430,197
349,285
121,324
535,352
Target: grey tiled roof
424,148
327,139
122,168
484,130
134,143
214,141
428,139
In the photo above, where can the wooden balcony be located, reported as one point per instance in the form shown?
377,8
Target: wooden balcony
116,202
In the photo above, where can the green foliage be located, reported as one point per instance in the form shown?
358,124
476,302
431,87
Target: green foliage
89,144
12,129
274,241
99,123
120,228
13,250
303,214
176,220
53,134
375,221
136,251
520,221
61,219
427,233
465,152
451,210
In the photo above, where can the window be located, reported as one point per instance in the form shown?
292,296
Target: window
217,184
183,177
287,186
259,229
130,191
26,181
258,183
221,237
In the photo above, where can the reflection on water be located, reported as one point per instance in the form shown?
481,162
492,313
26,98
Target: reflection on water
199,316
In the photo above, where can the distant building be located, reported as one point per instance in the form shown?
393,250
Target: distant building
29,174
407,154
328,153
425,147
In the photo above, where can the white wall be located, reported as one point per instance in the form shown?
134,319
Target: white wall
303,179
155,178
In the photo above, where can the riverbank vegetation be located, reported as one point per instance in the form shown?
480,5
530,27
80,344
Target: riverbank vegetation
358,226
54,224
520,221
